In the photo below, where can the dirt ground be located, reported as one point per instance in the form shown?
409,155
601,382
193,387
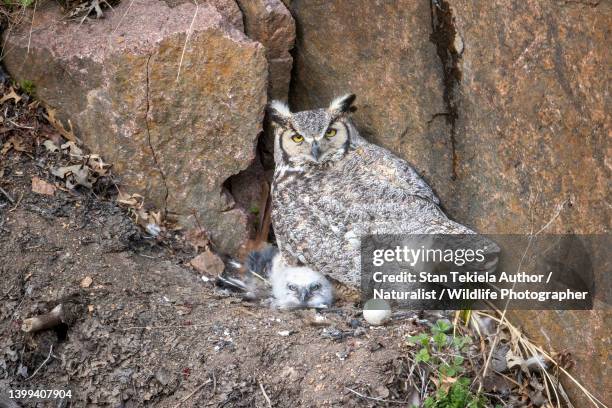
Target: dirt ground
150,331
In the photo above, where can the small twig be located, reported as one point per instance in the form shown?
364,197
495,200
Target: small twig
162,327
43,363
263,391
373,398
31,27
122,17
7,195
17,204
265,219
258,276
45,321
21,126
187,36
198,388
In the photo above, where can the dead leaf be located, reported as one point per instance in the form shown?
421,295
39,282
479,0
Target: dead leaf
494,382
15,143
59,126
40,186
95,162
155,217
11,95
198,238
72,149
76,175
50,146
133,200
86,282
208,262
513,360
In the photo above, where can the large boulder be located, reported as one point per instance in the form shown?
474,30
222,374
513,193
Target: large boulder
270,23
501,105
177,112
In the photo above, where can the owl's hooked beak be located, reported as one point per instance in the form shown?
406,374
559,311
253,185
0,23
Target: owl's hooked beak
315,150
304,295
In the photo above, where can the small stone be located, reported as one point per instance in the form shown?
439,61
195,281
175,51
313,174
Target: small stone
86,282
354,323
208,262
342,355
40,186
360,331
291,373
163,376
382,391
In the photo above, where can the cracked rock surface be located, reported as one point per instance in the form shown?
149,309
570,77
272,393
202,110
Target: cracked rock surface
172,137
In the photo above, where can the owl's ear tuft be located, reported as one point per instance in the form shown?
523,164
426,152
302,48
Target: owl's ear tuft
342,104
279,113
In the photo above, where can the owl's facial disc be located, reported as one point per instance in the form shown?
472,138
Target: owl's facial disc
315,148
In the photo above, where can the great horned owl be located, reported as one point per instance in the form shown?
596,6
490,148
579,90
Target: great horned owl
331,187
286,286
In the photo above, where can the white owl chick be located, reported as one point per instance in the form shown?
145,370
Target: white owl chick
268,276
298,286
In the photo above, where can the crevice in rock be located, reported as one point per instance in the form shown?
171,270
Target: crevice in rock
443,36
588,3
153,153
250,189
244,20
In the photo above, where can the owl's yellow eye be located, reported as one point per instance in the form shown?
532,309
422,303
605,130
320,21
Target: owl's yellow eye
297,138
330,133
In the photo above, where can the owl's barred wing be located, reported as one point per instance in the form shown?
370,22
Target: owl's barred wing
397,171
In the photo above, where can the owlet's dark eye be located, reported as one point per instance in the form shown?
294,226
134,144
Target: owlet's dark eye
297,138
330,132
292,287
315,286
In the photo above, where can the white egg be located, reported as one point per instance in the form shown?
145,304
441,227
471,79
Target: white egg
376,312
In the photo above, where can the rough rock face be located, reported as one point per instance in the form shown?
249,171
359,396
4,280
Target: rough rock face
532,131
270,23
532,136
173,137
501,105
227,8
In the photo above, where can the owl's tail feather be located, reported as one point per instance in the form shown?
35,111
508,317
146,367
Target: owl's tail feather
231,283
230,277
251,276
